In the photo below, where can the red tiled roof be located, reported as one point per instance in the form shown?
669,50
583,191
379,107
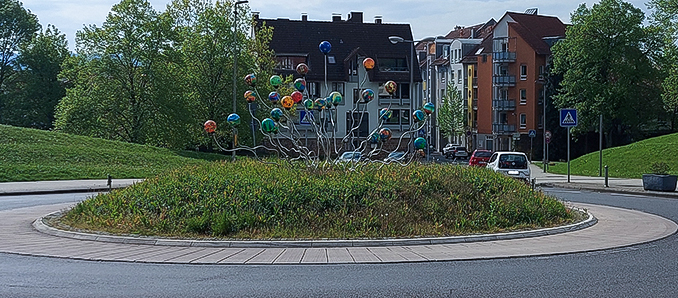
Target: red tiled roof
533,28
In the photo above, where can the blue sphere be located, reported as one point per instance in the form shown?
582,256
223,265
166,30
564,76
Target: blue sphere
325,47
420,143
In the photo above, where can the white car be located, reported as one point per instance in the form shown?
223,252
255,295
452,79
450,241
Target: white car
350,156
512,164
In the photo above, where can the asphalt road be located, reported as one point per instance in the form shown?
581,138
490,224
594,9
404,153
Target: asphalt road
648,270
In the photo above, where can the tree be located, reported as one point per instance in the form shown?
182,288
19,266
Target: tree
35,91
451,113
607,69
121,89
665,18
17,25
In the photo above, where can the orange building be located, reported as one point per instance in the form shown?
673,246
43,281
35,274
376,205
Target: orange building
510,70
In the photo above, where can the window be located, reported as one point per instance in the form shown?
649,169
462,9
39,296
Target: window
459,76
392,64
446,51
399,117
523,96
541,120
313,89
289,62
541,72
523,121
331,60
452,76
338,86
523,72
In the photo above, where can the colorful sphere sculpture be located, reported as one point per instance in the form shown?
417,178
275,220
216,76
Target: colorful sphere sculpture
420,143
251,80
276,114
308,104
385,113
429,108
233,119
374,138
391,87
385,134
320,103
335,98
297,96
269,126
302,69
250,96
300,84
418,116
210,126
325,47
275,81
287,102
368,63
274,97
367,95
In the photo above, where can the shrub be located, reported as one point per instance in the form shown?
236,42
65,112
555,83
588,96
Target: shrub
660,168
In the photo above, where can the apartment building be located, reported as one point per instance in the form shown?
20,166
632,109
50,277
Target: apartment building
342,70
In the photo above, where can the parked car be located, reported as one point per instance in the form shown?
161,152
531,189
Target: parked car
512,164
455,151
479,158
350,156
395,156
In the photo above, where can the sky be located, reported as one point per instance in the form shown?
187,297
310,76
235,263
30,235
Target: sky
426,17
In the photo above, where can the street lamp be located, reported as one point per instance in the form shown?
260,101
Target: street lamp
235,60
398,39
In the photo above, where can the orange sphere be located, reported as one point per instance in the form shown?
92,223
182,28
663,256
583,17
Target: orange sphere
368,63
287,102
210,126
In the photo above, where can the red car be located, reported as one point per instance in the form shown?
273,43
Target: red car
479,158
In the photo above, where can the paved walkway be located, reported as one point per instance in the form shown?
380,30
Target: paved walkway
615,227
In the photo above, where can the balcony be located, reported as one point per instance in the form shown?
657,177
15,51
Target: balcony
504,81
503,57
503,128
504,105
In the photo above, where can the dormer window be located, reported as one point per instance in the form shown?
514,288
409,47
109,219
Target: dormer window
392,64
331,60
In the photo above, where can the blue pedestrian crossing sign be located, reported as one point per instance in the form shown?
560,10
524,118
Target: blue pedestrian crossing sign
568,117
532,133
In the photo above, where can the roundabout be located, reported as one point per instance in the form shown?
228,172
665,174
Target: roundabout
615,227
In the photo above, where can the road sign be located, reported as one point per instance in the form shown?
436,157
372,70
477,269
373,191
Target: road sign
305,118
516,136
547,134
532,133
568,117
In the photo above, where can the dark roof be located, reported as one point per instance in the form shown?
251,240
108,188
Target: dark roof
534,28
478,31
348,38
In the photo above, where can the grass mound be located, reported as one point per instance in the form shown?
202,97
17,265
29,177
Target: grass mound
630,161
253,200
31,155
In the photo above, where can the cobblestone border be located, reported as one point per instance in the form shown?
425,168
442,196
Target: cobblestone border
40,225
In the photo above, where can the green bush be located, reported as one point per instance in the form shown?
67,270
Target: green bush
251,199
660,168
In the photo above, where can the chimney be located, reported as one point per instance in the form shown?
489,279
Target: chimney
377,19
255,15
304,17
355,16
336,17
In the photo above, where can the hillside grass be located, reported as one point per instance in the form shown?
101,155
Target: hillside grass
249,199
630,161
32,155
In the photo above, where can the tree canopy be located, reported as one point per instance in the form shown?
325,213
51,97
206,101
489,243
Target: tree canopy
451,113
607,67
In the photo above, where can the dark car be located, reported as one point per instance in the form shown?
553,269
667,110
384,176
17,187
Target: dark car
479,158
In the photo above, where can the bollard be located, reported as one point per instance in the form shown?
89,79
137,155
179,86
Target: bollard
110,181
534,180
606,184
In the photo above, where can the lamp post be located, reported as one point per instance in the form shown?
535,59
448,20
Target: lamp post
398,39
235,60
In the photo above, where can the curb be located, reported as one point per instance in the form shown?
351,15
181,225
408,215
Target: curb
58,191
40,225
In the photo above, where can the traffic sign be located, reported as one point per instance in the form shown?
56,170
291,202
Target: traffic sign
532,133
547,134
306,117
516,136
568,117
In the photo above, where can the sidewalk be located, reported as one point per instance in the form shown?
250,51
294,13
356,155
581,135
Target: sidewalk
616,185
61,186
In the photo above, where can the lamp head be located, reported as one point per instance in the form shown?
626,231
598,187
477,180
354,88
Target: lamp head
395,39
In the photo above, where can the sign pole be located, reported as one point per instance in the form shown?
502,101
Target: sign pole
568,154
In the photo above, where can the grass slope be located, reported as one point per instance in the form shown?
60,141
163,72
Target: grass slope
32,155
630,161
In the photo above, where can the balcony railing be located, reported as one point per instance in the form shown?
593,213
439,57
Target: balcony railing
504,81
501,57
504,105
503,128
